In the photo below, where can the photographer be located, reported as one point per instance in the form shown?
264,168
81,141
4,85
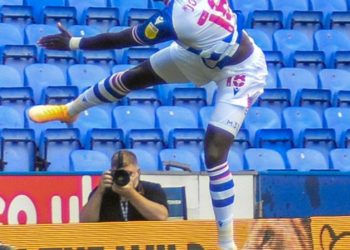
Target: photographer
122,196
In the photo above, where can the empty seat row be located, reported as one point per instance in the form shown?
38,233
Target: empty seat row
102,12
135,126
60,151
47,83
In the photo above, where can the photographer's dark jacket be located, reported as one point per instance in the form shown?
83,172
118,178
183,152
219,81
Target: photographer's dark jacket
111,207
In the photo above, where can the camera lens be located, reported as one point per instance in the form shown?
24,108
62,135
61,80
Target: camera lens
120,177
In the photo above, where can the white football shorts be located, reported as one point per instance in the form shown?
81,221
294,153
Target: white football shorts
239,85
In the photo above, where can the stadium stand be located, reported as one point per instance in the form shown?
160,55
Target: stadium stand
305,104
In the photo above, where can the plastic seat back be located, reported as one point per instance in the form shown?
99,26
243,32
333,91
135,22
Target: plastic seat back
88,160
178,160
305,159
261,159
18,150
39,76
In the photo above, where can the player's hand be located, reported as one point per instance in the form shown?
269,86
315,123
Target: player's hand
58,41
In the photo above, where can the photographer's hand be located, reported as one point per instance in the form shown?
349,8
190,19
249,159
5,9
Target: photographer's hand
105,182
91,210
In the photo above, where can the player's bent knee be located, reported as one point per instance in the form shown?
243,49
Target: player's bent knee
217,143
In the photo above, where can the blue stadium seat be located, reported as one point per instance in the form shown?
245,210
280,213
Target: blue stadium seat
268,21
39,128
11,34
261,39
241,142
18,15
132,117
10,77
262,159
62,59
165,91
345,139
307,22
341,60
104,58
235,160
147,161
82,6
147,98
40,75
340,20
205,114
305,159
192,98
280,140
276,99
289,41
172,159
157,4
328,6
33,32
14,119
340,159
260,118
95,117
300,118
247,7
321,139
138,15
85,75
125,6
82,160
288,7
18,98
176,198
190,140
67,16
83,30
58,94
121,67
18,150
150,140
274,61
136,55
313,61
336,80
11,2
102,18
39,5
19,56
331,41
55,147
306,92
337,119
105,140
171,117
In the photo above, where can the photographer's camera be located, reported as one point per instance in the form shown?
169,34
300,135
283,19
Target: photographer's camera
120,177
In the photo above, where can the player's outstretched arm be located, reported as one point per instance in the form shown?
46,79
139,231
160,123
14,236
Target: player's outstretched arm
65,41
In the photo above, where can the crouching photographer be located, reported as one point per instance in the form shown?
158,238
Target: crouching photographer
122,196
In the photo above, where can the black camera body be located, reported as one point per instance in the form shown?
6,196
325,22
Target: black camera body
120,177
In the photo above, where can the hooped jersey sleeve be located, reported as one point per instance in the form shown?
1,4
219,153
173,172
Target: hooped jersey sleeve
159,28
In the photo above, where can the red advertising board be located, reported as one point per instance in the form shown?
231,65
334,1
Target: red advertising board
43,199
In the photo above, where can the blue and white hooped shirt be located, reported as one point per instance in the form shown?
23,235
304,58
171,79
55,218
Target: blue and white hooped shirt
208,28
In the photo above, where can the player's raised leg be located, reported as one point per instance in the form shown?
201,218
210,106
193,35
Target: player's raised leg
107,90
